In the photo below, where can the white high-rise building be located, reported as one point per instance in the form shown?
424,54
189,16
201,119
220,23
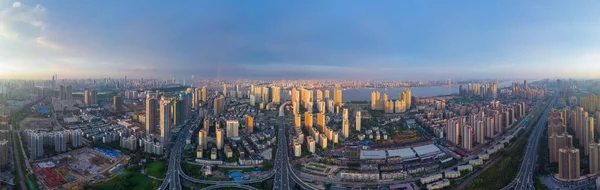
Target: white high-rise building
479,132
232,128
76,138
36,145
345,114
296,107
345,128
321,106
158,148
323,141
358,121
467,137
330,106
310,144
265,95
219,138
129,143
276,94
165,121
252,100
150,115
297,149
60,142
202,139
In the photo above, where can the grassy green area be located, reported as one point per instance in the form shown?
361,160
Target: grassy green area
467,100
376,113
192,170
129,181
263,185
156,169
16,118
267,165
543,159
537,183
227,170
504,171
29,179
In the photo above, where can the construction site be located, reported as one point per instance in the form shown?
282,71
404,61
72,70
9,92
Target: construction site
33,123
77,168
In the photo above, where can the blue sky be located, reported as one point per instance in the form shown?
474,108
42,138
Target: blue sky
300,39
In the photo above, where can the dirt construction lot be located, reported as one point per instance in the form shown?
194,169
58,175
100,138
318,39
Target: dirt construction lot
36,123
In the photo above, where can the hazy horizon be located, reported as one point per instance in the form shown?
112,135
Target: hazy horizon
383,40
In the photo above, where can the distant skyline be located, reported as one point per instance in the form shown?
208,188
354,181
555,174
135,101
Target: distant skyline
381,40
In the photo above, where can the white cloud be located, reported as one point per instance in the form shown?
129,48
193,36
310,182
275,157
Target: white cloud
43,42
13,18
5,32
23,26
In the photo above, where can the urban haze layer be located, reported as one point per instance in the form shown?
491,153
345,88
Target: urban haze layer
299,95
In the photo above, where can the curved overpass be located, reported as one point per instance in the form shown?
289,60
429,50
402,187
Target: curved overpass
226,185
289,168
282,110
191,179
175,172
211,182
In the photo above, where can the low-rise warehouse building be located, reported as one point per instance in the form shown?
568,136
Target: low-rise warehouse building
431,178
394,175
451,174
484,156
356,175
427,151
406,154
465,167
438,184
372,154
476,162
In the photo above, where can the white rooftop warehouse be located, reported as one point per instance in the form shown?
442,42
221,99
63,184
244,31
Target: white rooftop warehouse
427,151
372,154
405,153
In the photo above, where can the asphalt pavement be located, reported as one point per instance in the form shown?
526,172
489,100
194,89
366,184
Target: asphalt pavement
524,179
281,180
172,180
283,172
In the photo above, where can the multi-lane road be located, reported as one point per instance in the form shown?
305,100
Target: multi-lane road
175,174
172,180
282,180
285,177
524,179
227,185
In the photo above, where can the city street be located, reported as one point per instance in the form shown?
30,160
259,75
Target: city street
524,179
